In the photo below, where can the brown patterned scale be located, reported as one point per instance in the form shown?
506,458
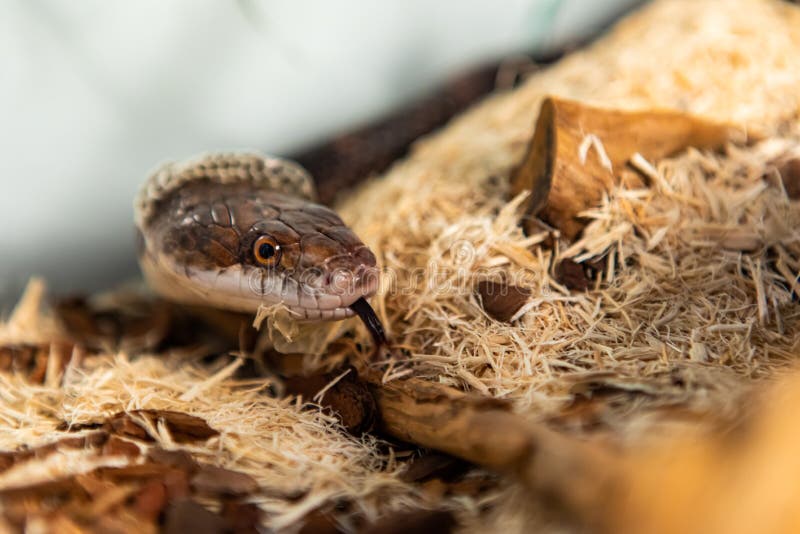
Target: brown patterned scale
237,231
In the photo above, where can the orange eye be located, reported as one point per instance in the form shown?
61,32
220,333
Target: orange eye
267,251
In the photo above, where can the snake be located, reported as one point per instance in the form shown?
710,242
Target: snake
240,230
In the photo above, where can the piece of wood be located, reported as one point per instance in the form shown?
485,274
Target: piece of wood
484,431
117,321
578,152
348,398
707,478
417,520
790,176
214,480
477,429
33,360
183,427
501,300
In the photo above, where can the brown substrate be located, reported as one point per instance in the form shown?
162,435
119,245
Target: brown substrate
569,370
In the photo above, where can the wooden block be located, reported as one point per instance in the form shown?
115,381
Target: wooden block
578,152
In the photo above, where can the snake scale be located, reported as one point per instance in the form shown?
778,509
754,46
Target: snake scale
236,231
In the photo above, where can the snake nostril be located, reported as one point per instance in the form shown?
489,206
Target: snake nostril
341,281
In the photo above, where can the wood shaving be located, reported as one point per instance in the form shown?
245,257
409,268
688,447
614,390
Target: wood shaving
695,299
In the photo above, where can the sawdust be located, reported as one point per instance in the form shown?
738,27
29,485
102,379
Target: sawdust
301,458
699,267
695,298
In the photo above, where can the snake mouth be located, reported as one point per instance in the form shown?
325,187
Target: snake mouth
337,301
229,290
246,290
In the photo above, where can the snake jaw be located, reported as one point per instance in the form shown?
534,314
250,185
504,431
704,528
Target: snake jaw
334,300
245,288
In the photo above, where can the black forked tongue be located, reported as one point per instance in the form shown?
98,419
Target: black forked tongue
371,321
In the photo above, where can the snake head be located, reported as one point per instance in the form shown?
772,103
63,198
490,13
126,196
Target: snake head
226,231
306,256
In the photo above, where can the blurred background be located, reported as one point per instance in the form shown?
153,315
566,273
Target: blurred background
93,94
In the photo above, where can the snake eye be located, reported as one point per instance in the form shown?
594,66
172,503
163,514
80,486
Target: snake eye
267,251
